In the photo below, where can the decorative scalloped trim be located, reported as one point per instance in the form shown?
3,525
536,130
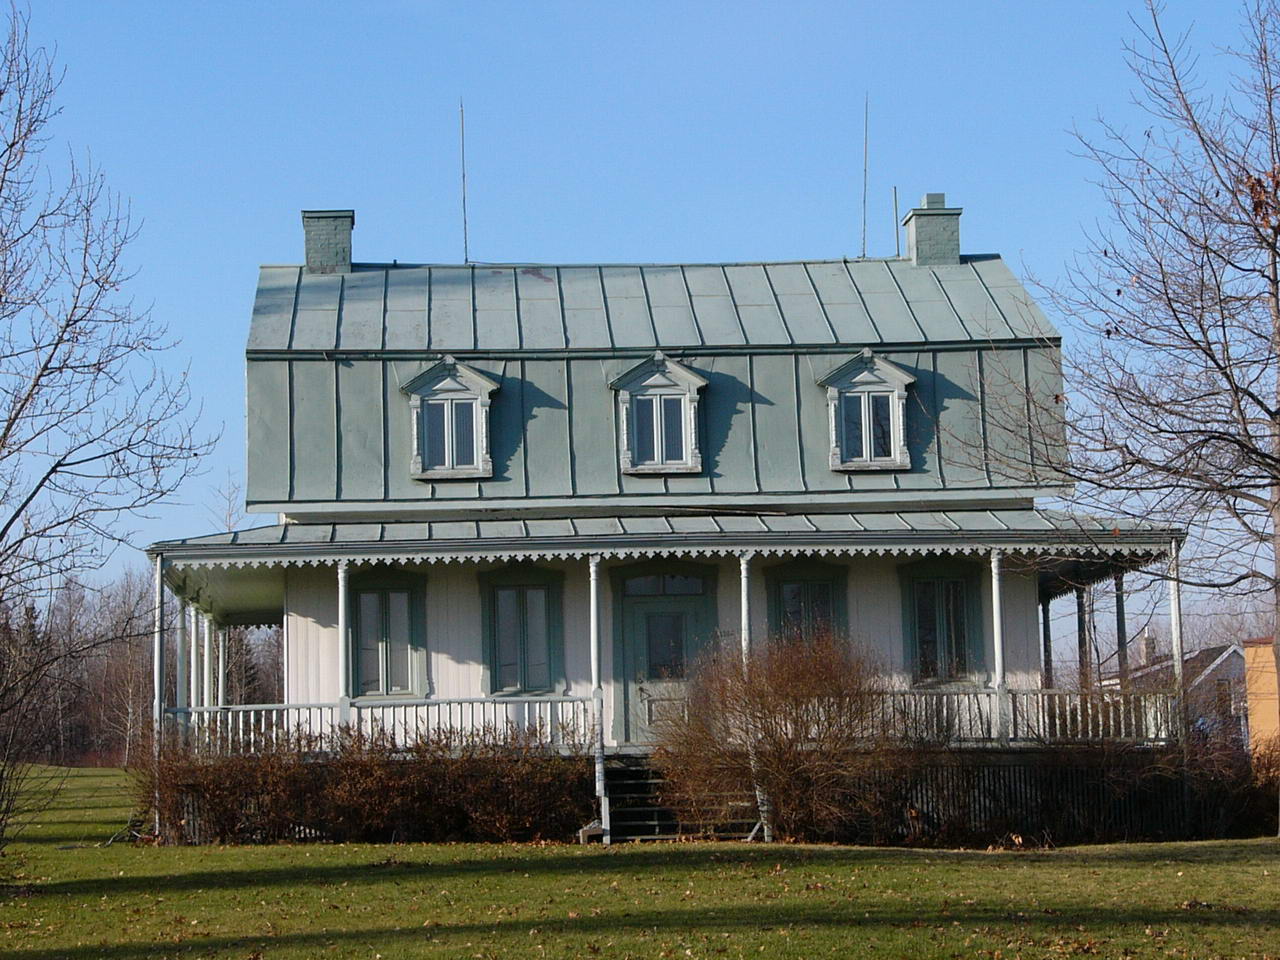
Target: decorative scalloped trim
626,553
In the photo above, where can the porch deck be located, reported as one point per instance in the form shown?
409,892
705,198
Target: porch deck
963,718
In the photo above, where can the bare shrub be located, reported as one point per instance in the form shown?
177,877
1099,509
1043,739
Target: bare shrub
498,784
807,722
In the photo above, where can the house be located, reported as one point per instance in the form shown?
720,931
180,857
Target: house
534,493
1213,682
1261,691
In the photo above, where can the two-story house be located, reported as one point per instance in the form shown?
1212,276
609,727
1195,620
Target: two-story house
534,493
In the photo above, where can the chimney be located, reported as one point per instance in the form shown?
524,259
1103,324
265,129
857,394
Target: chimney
933,232
328,240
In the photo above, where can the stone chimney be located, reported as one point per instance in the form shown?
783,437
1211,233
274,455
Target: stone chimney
933,232
328,240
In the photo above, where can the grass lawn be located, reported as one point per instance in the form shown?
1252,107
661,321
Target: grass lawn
64,895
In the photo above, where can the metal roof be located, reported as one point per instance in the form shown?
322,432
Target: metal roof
1028,530
506,307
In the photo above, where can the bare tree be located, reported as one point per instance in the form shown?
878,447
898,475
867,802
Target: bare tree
93,432
1172,407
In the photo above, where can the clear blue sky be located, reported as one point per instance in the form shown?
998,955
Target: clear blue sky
595,132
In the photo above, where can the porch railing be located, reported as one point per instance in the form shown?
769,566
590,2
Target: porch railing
549,721
956,716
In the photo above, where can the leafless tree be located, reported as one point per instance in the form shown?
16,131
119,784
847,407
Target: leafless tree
1172,366
93,432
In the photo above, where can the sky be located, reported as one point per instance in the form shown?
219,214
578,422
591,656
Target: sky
651,132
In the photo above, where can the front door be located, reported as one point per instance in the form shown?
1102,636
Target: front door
668,617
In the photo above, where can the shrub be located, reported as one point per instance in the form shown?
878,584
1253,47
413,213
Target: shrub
493,785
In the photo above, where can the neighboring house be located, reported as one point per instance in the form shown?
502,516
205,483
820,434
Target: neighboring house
1263,691
536,493
1214,679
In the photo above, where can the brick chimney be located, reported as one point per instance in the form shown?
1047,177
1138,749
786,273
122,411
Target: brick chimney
933,232
328,240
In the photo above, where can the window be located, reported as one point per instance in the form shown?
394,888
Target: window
868,402
658,414
450,416
383,642
807,597
941,629
523,628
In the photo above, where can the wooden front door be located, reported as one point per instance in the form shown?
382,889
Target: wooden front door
667,620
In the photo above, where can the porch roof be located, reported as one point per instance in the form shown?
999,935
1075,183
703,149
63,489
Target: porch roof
1030,531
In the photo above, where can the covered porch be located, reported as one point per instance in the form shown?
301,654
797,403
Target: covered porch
622,605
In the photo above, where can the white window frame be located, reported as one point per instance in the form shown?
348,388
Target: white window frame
450,382
450,432
857,381
659,379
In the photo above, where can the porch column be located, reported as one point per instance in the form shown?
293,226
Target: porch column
597,696
181,687
222,666
744,576
206,695
1175,621
1122,632
157,653
997,640
344,645
193,675
1082,639
1046,640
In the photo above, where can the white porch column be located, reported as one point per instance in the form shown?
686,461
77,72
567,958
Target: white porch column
206,695
222,666
744,576
597,696
193,675
157,653
344,647
997,640
181,688
1175,626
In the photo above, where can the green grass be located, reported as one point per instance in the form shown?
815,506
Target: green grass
68,896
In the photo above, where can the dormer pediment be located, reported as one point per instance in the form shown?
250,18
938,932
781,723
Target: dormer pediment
867,371
451,376
659,372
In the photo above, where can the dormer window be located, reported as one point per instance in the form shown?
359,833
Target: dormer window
450,422
867,398
658,417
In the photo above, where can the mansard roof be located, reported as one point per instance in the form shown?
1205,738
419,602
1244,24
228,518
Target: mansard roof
503,308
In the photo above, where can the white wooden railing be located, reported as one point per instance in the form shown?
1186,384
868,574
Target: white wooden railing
550,721
944,716
554,721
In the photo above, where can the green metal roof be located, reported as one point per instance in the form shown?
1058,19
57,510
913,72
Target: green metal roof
514,307
1029,530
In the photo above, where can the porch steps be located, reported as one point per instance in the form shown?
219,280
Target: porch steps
636,811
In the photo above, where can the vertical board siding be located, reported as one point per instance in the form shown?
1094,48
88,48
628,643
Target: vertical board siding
312,630
315,454
267,429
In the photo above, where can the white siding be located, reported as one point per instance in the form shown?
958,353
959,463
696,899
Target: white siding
455,644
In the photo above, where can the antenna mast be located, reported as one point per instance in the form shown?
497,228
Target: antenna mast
462,140
897,230
866,115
